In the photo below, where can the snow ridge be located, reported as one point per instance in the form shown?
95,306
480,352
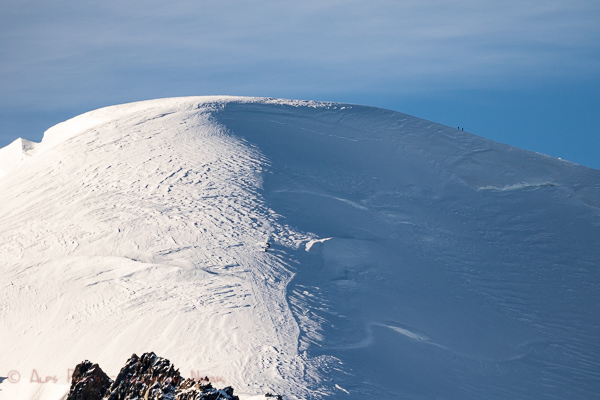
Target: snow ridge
15,153
317,250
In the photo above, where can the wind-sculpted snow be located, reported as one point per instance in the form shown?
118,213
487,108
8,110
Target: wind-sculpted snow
405,259
14,154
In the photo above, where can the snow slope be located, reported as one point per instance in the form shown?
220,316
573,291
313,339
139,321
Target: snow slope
407,259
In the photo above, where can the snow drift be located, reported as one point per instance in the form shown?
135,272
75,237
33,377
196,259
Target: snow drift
406,260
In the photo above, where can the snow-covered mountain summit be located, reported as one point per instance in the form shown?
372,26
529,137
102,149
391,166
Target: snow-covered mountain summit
405,259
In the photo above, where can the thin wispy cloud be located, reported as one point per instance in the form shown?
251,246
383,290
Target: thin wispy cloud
220,46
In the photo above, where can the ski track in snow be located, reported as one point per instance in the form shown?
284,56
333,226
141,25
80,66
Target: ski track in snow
403,261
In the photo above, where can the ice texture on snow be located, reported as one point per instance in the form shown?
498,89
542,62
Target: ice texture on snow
406,259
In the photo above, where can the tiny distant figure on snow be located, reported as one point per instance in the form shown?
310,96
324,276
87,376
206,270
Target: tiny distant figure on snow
462,129
267,246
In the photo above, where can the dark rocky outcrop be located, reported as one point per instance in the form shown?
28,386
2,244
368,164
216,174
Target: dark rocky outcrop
148,377
89,382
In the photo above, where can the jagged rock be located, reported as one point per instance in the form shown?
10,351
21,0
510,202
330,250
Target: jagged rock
148,377
89,382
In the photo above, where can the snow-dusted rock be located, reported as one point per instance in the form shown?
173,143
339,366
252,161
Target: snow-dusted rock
89,382
147,377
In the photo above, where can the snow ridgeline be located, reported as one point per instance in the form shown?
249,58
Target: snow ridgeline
15,153
406,259
147,377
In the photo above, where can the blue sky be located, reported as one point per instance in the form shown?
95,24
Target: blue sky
526,73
